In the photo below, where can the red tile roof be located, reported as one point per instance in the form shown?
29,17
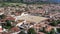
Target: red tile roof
41,33
49,28
15,29
10,18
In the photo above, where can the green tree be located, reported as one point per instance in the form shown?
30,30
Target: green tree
31,31
51,32
58,30
48,33
58,21
21,1
42,30
2,16
8,24
54,23
16,1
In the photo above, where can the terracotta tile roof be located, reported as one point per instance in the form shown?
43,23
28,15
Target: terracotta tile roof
10,18
15,29
49,28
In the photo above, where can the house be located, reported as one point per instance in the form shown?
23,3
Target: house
1,12
1,29
15,29
41,11
48,28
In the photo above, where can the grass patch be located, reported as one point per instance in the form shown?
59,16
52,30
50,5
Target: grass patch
10,4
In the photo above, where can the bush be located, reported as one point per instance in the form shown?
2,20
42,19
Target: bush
2,16
58,30
51,32
42,30
31,31
8,24
55,22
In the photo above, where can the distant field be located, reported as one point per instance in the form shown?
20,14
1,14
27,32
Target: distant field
18,4
10,4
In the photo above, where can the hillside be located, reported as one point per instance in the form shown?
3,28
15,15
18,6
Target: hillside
31,1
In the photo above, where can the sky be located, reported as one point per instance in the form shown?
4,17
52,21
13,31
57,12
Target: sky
55,1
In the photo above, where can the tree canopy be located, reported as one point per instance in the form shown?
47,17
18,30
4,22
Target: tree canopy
31,31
